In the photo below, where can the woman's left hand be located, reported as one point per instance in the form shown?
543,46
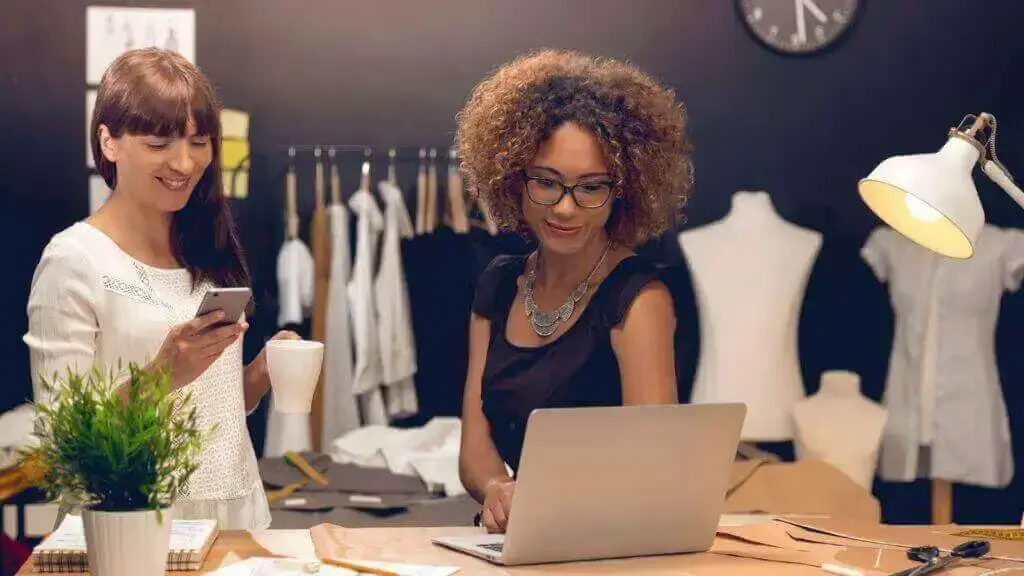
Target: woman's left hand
282,335
258,368
286,335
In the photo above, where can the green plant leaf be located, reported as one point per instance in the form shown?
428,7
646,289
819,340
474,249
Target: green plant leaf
113,454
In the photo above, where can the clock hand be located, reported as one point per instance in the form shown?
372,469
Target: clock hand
815,11
801,26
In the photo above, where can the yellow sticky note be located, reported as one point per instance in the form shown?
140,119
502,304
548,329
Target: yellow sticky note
233,152
236,183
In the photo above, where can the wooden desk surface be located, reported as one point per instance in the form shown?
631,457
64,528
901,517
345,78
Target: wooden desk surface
413,546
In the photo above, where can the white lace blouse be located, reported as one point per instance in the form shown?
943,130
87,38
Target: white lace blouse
92,304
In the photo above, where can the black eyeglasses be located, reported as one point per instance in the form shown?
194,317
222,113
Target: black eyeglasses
547,191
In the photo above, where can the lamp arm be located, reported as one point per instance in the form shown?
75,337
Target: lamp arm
998,174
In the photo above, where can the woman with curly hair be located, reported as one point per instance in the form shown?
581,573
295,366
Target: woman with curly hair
590,158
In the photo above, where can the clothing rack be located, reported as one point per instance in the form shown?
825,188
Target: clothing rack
435,163
396,153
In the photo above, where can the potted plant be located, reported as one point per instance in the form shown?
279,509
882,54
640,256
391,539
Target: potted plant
124,456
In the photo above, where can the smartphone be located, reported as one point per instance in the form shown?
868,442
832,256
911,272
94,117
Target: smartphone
232,301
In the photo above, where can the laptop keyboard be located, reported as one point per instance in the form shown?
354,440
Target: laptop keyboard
496,547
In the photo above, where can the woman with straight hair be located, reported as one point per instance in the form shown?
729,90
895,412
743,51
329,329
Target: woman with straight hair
124,284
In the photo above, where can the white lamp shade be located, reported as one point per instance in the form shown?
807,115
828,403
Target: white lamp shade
930,198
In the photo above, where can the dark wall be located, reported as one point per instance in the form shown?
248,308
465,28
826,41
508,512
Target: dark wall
395,72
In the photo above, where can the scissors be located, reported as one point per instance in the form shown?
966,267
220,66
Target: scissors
934,560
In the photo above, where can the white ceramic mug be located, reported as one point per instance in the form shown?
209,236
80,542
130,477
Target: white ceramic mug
294,367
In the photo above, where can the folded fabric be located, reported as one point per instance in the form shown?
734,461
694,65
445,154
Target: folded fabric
276,472
353,478
346,478
323,501
16,433
430,452
422,513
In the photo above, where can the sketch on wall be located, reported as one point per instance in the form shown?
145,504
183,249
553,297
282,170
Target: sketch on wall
98,192
109,32
112,30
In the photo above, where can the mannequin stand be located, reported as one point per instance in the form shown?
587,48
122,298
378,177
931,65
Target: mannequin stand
942,501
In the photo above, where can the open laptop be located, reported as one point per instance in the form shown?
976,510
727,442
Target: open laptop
614,482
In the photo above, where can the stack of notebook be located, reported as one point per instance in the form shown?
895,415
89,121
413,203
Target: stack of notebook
64,549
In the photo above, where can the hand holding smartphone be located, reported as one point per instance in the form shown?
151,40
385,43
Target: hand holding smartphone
231,301
191,347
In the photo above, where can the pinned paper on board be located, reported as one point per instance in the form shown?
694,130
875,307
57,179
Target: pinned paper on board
90,104
113,30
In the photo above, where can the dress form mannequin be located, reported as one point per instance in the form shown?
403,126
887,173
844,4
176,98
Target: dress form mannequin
840,426
750,270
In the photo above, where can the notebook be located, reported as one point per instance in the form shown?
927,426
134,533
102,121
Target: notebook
64,549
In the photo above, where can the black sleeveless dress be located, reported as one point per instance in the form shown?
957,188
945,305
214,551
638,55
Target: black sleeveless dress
577,369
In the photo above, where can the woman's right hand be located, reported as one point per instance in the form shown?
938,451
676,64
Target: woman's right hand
497,505
191,347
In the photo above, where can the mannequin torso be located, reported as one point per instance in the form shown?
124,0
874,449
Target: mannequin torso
750,270
840,426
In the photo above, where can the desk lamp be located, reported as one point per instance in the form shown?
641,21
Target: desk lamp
931,198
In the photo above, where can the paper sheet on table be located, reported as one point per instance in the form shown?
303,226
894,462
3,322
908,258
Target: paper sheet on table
286,543
284,567
772,542
856,546
407,569
898,536
273,567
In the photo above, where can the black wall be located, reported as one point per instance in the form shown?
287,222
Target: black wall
395,73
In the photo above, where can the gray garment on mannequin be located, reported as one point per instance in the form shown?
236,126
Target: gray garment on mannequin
970,436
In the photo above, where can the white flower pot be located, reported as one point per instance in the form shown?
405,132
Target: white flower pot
127,543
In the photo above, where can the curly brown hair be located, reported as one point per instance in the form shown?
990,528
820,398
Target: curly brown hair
639,124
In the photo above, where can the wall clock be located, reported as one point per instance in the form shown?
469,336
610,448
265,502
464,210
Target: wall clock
799,27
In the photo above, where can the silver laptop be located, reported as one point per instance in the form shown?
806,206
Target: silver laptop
616,482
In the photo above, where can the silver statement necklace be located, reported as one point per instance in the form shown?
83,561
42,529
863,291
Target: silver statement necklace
544,323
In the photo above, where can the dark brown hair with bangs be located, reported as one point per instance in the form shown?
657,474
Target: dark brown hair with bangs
156,92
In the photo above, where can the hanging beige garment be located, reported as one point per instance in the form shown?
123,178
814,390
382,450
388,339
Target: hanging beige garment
321,239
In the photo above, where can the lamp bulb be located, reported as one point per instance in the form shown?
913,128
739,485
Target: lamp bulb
920,210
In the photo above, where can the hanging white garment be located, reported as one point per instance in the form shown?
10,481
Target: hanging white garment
942,369
340,410
367,377
295,282
397,344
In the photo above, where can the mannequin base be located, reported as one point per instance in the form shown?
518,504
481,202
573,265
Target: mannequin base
942,501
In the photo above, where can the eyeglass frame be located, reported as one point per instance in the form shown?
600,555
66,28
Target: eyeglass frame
566,189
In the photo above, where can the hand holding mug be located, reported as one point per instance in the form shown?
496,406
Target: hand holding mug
293,366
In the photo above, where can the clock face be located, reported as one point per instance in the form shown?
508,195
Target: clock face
798,26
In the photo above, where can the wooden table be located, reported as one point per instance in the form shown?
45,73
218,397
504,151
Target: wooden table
413,546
